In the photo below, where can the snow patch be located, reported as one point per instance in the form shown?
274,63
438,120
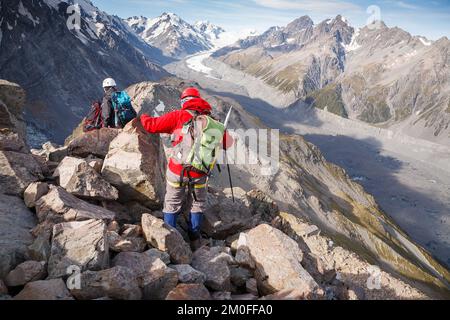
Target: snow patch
425,42
24,12
359,178
100,27
290,40
353,46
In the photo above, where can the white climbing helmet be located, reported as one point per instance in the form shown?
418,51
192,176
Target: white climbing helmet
109,82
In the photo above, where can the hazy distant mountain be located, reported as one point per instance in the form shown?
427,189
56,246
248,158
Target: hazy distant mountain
211,31
62,69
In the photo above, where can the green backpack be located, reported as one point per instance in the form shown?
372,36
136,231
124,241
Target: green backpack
202,138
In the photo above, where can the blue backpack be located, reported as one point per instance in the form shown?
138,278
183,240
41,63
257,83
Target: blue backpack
123,109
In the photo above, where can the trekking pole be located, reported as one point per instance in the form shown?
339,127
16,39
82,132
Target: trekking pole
227,119
229,177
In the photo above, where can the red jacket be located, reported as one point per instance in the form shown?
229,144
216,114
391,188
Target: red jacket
172,123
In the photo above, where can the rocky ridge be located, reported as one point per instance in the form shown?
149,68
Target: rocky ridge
92,245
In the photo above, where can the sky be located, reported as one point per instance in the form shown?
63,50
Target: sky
426,18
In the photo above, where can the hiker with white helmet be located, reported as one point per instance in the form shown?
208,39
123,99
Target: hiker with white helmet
109,87
116,106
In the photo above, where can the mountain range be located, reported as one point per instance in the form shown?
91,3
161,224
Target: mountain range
380,75
383,76
61,84
61,69
174,36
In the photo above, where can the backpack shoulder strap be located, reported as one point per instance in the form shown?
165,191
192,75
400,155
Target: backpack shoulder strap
193,113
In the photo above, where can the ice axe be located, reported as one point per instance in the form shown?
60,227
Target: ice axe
227,120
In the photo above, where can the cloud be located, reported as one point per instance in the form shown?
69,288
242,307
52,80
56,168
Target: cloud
406,5
309,5
403,4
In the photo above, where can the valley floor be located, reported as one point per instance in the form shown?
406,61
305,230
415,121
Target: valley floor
410,179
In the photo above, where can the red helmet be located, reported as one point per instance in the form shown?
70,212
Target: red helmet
190,92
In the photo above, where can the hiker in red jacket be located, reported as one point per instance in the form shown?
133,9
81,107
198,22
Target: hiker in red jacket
172,123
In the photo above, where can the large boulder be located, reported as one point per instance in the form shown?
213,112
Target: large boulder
187,274
277,261
58,206
80,179
135,165
224,218
51,152
215,263
159,281
16,221
240,276
153,275
95,143
12,141
95,163
54,289
34,192
128,212
17,166
155,253
191,291
165,238
123,243
25,272
40,249
18,170
115,283
78,243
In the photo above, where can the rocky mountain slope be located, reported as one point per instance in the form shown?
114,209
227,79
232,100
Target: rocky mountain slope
98,223
383,76
62,69
81,196
307,185
174,36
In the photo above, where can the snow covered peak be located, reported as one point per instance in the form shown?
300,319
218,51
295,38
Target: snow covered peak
343,19
167,23
177,38
85,5
170,15
174,36
210,30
